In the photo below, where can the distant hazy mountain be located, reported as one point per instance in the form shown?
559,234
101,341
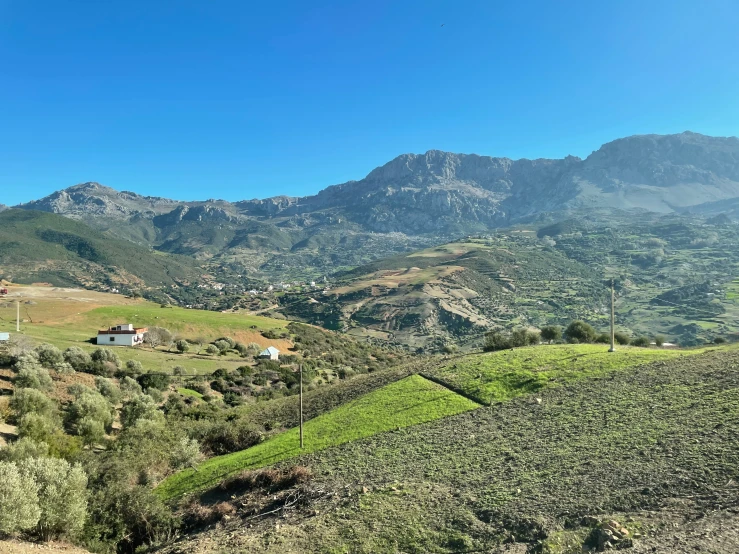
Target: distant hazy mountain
418,199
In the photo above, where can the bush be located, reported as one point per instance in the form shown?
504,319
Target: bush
108,389
92,431
223,346
551,333
38,427
27,401
182,346
130,387
22,449
158,336
211,349
139,407
231,343
603,338
178,371
158,381
134,368
640,341
242,349
33,378
77,358
49,356
719,340
621,338
91,406
496,340
580,331
222,437
659,340
19,506
62,495
105,362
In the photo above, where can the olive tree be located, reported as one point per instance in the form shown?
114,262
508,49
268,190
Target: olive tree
62,495
19,506
25,401
77,358
23,448
49,356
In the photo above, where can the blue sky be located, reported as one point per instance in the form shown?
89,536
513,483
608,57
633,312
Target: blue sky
236,100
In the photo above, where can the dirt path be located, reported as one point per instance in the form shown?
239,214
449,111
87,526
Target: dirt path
20,547
7,432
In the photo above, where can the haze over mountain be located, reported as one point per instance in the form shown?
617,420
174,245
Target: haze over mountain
416,200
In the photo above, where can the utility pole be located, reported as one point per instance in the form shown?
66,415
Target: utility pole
17,316
301,406
613,319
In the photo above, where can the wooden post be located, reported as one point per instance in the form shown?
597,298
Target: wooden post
301,406
17,316
613,319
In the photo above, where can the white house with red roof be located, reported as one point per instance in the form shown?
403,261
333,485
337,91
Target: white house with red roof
122,335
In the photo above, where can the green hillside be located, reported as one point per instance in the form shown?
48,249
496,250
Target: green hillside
45,247
407,402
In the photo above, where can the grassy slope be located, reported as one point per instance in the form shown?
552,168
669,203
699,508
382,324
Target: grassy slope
634,440
500,376
407,402
68,322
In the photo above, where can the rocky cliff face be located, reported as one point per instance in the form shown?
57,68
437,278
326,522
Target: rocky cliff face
441,193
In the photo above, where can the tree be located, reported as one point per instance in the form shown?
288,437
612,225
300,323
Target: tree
141,406
212,349
182,346
38,427
19,506
108,389
105,362
77,358
62,495
719,340
496,340
130,388
33,377
158,336
134,368
640,341
659,340
551,333
26,401
23,448
199,341
158,381
91,430
580,331
91,405
222,345
49,356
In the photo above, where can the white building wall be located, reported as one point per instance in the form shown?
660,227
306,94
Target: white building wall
120,340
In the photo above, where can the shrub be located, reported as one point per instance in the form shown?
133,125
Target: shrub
38,427
551,333
25,401
231,343
105,362
129,387
659,340
108,389
19,506
603,338
222,437
253,347
33,378
186,453
158,336
139,407
223,346
90,430
153,381
134,367
178,371
77,358
580,331
496,340
621,338
49,356
62,495
242,349
90,405
211,349
22,449
640,341
182,346
524,337
719,340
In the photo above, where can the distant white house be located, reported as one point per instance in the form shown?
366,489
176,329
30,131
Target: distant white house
122,335
4,337
270,353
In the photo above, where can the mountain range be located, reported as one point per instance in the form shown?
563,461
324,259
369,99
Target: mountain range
414,201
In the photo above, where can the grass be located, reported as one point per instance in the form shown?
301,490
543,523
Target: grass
406,402
500,376
65,318
189,392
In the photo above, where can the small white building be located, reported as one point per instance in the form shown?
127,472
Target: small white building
122,335
270,353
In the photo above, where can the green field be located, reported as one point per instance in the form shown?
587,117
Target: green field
406,402
189,392
66,322
500,376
